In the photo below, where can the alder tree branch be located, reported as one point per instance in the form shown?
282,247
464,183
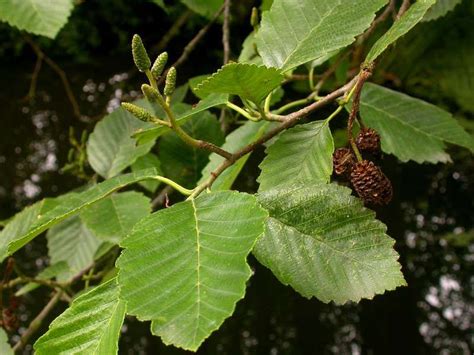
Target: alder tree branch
189,48
403,8
226,31
56,68
289,120
172,32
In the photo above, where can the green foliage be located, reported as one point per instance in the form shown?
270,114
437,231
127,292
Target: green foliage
411,129
414,15
294,32
248,81
148,161
184,267
50,272
39,217
301,154
91,325
205,8
5,348
322,242
110,148
40,17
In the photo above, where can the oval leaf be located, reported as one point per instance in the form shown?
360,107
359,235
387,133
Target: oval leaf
300,154
184,267
321,241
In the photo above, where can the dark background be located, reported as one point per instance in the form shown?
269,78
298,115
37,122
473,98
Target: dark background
433,315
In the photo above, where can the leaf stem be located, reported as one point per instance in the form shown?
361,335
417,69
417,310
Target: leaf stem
242,111
174,185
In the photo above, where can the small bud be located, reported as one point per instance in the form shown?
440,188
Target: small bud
159,64
170,82
138,112
83,137
254,17
140,56
151,94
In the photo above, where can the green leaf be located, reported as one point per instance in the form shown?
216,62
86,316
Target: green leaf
409,19
114,217
239,138
249,52
411,129
39,217
194,81
184,267
91,325
440,9
72,242
183,163
148,161
110,149
294,32
205,8
151,134
5,348
322,242
60,268
40,17
300,154
248,81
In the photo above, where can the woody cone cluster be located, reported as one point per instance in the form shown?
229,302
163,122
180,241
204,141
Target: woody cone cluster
368,180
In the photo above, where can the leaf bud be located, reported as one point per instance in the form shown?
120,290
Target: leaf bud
138,112
140,56
159,64
70,155
254,17
170,82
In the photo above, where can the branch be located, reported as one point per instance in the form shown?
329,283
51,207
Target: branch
226,31
193,43
59,72
289,120
405,5
36,323
172,32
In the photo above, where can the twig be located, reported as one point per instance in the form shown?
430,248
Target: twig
405,5
328,73
34,78
290,120
193,43
172,32
226,31
383,16
36,323
59,72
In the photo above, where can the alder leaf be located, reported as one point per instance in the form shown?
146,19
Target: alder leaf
114,217
34,220
246,134
440,9
183,163
110,149
40,17
184,267
295,32
184,114
5,348
300,154
411,129
322,242
72,242
60,268
401,26
248,81
91,325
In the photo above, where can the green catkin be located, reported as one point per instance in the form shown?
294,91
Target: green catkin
140,56
151,94
254,17
70,155
159,65
138,112
170,83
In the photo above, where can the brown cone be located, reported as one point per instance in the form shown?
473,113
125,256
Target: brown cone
343,159
370,183
368,141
